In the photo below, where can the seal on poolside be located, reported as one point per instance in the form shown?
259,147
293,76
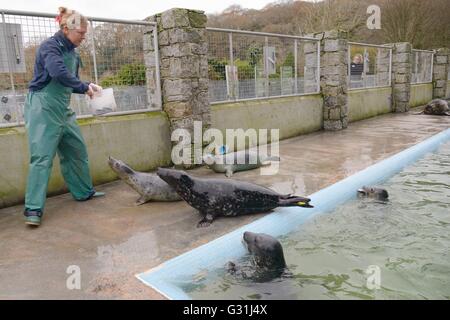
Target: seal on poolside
237,161
437,107
226,197
373,192
266,258
148,185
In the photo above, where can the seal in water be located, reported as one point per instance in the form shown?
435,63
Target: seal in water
226,197
437,107
372,192
237,161
148,185
267,258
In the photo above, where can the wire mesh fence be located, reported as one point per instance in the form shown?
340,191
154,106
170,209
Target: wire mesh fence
421,66
369,65
112,55
252,65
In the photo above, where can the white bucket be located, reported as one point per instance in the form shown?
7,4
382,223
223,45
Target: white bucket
102,102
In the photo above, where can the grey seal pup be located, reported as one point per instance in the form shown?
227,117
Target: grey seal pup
373,192
226,197
266,259
148,185
437,107
237,161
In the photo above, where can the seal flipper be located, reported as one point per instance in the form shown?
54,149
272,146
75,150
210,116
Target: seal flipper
229,171
206,221
291,201
141,200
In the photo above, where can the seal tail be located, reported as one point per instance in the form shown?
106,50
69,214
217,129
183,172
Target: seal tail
294,201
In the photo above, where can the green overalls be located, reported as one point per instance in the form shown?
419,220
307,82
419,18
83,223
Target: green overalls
51,126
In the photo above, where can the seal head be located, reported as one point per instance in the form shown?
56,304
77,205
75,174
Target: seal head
266,251
373,192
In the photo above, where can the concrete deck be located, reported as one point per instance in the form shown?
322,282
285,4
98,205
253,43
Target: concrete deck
111,240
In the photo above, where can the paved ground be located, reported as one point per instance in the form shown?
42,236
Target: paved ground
111,240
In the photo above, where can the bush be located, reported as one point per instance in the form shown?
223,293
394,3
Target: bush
216,69
128,75
245,70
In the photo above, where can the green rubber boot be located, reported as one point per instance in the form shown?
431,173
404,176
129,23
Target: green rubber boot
33,218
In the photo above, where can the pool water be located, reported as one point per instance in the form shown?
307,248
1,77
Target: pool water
364,249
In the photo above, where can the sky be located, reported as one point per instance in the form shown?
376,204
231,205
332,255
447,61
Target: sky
130,9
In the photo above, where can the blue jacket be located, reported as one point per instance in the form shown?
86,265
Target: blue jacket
50,64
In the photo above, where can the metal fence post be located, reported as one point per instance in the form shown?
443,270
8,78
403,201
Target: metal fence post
266,64
11,76
349,65
232,90
318,66
432,62
93,51
390,67
295,66
157,68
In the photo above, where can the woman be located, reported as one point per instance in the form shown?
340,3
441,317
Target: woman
50,123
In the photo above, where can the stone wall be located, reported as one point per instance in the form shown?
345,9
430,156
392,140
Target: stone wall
440,72
333,79
401,76
184,67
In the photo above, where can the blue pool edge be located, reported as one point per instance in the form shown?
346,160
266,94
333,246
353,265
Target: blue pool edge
216,253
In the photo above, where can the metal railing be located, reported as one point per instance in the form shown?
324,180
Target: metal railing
113,55
247,65
422,66
369,65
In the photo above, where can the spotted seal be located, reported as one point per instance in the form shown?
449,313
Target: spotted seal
148,185
266,258
237,161
437,107
226,197
373,192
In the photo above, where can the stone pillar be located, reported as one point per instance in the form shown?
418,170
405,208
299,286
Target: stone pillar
183,60
333,79
440,72
401,76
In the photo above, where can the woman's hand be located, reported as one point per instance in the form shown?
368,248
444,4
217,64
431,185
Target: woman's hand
95,88
90,92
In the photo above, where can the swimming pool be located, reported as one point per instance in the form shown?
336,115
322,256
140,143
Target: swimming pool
329,254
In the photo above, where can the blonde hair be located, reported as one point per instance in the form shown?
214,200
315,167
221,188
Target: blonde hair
70,18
